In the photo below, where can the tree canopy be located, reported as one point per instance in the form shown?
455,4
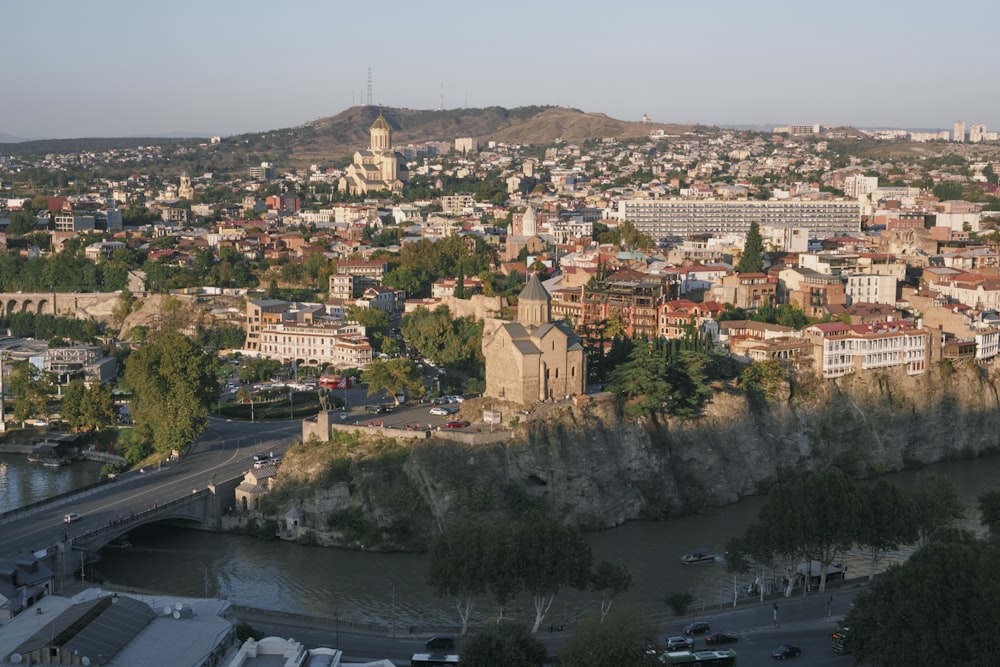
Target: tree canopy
505,646
173,384
395,376
913,613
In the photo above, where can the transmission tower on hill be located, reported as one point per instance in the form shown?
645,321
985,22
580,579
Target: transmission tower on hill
369,85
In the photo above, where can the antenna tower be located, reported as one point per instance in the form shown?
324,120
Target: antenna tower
369,85
442,97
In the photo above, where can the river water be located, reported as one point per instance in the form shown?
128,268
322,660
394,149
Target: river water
23,483
391,589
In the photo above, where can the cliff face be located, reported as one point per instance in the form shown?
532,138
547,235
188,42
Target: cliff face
595,468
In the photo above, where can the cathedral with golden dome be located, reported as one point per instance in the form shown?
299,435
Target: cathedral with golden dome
377,169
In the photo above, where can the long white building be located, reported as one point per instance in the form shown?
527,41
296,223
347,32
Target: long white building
673,218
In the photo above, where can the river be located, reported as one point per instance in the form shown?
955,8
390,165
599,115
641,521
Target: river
391,588
23,483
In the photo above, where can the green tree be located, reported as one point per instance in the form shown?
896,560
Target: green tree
763,380
887,522
173,385
624,638
456,566
551,557
912,614
989,511
935,503
376,322
809,517
610,580
752,259
72,403
395,376
505,646
97,408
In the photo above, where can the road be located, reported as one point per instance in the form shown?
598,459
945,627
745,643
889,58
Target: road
224,450
806,623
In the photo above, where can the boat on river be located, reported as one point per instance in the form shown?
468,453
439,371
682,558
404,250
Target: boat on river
699,557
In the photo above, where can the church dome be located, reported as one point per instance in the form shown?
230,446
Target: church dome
381,123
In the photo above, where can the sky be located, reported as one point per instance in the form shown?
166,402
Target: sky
119,68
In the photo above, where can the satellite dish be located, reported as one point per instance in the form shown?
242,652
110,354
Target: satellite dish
178,606
176,614
85,661
16,658
167,610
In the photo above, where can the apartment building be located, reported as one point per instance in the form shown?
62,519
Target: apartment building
317,343
871,288
746,290
840,349
678,218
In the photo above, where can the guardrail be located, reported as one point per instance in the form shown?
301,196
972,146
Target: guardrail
132,517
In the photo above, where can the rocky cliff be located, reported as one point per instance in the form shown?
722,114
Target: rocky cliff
595,468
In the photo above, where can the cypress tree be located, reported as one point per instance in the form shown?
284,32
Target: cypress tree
752,260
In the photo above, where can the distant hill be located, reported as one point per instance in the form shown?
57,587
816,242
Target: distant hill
335,138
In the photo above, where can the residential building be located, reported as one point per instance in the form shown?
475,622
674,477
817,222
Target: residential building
816,294
678,218
958,131
260,313
840,349
316,343
871,288
746,290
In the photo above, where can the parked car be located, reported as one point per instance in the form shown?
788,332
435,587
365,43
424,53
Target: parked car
443,411
72,517
721,638
697,628
456,424
679,644
343,416
440,642
786,651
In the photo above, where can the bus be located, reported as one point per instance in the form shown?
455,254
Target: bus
839,640
713,658
432,660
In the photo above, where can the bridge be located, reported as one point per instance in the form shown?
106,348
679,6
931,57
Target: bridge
195,492
97,305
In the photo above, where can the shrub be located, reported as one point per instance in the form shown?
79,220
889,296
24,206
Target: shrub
680,602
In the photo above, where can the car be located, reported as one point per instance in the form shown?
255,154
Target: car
786,651
72,517
378,409
679,644
343,416
440,642
697,628
721,638
456,424
443,411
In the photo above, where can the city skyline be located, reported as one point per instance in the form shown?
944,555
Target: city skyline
112,68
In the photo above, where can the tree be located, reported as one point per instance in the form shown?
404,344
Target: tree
752,259
623,638
456,567
936,503
610,580
551,556
72,403
989,511
912,614
504,646
97,409
806,518
375,321
887,522
395,376
173,384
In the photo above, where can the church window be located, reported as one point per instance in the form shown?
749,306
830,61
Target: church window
557,373
572,371
553,346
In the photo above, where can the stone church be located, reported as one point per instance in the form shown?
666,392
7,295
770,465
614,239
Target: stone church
378,168
533,358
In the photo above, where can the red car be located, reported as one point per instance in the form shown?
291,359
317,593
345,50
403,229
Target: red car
456,424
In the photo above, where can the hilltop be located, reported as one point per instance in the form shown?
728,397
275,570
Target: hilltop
334,139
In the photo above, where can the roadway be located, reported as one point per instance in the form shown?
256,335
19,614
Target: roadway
222,452
806,623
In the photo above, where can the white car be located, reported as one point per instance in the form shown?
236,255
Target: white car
72,517
442,411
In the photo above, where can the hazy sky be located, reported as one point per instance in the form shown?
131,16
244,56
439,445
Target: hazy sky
128,67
